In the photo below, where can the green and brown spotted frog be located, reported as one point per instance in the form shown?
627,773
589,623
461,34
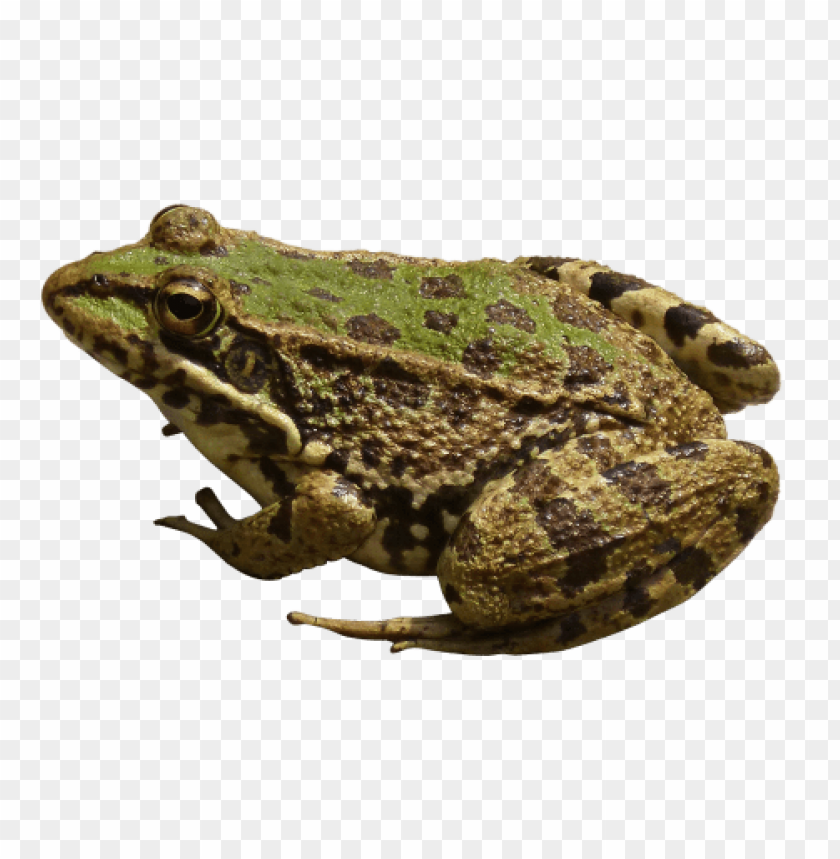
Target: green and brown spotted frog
544,435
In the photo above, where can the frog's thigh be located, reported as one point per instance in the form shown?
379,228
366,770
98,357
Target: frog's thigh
323,519
574,547
548,559
736,370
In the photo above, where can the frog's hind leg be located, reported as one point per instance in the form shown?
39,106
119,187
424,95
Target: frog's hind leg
734,369
587,541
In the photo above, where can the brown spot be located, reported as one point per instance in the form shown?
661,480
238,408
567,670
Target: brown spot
619,397
571,309
567,527
103,346
397,386
262,281
450,286
176,399
400,464
480,358
637,601
597,448
145,383
280,525
458,405
606,286
372,329
324,295
548,266
322,358
375,270
239,288
467,540
571,629
248,364
696,450
161,261
400,394
337,461
537,480
349,391
766,459
586,366
437,321
587,566
637,319
277,477
694,567
668,547
738,354
750,520
639,482
371,452
211,249
451,595
528,405
506,313
686,320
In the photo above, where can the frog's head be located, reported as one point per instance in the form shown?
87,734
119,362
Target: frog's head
164,314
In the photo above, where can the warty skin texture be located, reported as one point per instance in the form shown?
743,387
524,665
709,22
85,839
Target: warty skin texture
545,436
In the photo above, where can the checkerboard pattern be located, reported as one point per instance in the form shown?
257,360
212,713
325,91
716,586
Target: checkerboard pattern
154,702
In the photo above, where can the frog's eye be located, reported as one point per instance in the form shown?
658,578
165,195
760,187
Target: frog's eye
164,211
188,308
186,229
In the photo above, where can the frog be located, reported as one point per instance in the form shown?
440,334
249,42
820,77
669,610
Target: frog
545,435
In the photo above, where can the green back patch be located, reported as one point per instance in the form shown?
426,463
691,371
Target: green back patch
445,311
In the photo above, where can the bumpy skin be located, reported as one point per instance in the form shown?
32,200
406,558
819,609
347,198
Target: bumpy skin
545,436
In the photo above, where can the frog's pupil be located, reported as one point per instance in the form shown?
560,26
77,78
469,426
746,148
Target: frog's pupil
183,306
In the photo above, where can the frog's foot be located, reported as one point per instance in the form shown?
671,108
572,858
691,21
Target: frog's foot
208,501
404,632
324,519
446,634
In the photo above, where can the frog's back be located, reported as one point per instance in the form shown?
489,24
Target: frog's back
486,324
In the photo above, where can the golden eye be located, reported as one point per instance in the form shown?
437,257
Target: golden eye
188,308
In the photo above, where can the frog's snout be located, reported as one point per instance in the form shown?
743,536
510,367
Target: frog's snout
53,293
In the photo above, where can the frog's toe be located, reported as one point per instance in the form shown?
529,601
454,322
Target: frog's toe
208,501
404,632
181,523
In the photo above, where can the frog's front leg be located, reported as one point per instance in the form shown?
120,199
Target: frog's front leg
587,541
323,518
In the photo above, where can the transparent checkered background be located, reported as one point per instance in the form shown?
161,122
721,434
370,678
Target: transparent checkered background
156,703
